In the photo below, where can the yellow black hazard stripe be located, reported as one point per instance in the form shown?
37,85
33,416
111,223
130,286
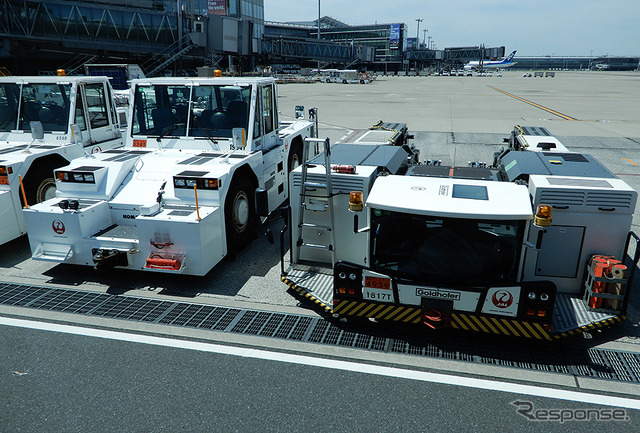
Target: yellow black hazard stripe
520,328
380,311
592,326
303,292
502,325
459,320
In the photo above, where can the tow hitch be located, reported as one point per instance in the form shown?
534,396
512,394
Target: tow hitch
108,259
436,313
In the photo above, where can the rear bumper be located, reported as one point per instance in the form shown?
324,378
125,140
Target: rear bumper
570,317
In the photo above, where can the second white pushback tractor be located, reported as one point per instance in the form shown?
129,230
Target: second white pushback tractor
180,195
530,247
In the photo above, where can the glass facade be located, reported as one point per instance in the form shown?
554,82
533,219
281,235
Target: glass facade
389,40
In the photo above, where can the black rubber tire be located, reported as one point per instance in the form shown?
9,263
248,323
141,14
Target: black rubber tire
344,81
45,190
240,215
295,156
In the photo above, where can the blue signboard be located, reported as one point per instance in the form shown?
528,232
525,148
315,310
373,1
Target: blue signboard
394,36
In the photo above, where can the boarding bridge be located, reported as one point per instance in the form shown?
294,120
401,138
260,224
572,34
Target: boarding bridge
85,29
139,28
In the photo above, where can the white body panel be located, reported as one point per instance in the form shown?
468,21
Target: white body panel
541,143
128,199
436,196
590,216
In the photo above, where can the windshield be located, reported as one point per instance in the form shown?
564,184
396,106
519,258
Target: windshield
447,251
175,111
47,103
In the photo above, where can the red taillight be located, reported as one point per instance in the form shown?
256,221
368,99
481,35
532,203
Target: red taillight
542,313
531,312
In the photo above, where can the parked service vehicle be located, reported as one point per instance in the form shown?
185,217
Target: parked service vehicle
531,247
350,76
180,196
46,122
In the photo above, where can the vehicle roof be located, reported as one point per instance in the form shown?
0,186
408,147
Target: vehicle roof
445,197
52,79
229,81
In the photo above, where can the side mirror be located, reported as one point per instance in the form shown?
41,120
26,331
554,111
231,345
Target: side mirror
76,134
37,131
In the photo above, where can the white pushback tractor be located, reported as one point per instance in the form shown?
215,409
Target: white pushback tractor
181,195
46,122
502,250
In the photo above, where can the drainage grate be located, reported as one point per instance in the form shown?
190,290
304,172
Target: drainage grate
599,363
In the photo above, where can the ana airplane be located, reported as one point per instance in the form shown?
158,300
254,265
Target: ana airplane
492,64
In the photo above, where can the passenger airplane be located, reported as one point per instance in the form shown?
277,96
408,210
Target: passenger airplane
492,64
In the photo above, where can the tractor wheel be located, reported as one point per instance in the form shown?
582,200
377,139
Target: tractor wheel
240,215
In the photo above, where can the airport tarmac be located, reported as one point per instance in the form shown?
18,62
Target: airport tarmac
590,104
77,368
454,119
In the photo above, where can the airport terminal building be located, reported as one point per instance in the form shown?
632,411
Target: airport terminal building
175,37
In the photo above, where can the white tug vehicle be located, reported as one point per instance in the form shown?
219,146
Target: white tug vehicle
180,196
46,122
534,246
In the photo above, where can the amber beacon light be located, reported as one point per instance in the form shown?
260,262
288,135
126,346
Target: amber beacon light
543,216
355,201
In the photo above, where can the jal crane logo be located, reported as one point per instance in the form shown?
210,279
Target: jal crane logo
58,227
502,299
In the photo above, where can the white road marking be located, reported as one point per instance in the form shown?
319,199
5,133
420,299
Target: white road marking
356,367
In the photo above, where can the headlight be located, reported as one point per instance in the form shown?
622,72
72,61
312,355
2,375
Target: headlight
352,276
342,275
531,295
544,297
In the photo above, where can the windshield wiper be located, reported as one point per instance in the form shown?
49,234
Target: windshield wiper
205,130
172,128
168,130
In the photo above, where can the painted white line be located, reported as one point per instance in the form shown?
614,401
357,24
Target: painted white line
356,367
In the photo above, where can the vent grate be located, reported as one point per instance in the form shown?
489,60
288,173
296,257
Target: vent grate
568,359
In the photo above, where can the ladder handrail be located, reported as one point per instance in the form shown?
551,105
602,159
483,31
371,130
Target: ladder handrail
303,194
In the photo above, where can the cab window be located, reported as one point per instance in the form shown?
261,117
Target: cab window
267,109
96,105
80,120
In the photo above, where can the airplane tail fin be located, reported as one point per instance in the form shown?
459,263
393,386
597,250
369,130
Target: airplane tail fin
510,57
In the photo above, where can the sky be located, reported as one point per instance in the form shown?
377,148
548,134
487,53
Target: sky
533,27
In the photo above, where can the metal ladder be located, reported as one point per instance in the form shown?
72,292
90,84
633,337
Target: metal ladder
324,203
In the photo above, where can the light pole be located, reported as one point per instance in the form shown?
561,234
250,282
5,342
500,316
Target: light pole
419,20
318,36
424,36
318,19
